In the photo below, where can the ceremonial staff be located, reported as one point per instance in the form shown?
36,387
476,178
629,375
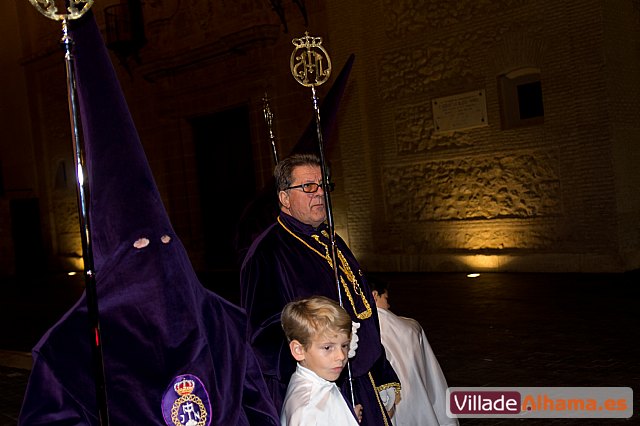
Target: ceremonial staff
268,118
75,10
311,66
309,69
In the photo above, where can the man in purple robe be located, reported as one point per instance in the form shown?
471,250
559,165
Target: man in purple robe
292,260
174,353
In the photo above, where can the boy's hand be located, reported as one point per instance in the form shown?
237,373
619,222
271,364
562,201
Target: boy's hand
398,397
358,411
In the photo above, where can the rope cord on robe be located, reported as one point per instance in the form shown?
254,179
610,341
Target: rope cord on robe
343,267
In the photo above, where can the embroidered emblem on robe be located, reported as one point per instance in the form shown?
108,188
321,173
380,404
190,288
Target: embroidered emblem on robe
186,402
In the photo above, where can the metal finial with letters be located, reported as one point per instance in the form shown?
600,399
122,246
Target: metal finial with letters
310,62
76,9
311,66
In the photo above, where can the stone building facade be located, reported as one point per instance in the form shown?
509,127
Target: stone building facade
475,135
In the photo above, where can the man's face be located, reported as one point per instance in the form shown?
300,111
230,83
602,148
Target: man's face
307,208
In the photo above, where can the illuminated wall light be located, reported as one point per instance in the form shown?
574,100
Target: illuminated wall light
72,273
473,275
77,264
482,262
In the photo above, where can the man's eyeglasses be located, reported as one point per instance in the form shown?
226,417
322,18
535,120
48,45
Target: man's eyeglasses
312,187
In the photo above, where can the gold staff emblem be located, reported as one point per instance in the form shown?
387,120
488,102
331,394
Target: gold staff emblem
310,63
76,9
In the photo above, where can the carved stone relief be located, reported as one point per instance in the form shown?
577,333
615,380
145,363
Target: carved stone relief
413,69
409,71
174,23
509,186
473,239
409,16
479,237
414,131
201,13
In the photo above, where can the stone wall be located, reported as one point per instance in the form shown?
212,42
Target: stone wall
622,47
543,197
559,195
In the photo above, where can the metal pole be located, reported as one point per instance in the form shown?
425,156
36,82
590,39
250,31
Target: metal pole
329,214
85,231
327,195
268,118
75,9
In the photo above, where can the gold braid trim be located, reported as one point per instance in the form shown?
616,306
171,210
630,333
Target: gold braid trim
304,242
382,409
390,385
344,267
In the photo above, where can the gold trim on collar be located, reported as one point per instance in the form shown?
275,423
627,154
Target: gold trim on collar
344,267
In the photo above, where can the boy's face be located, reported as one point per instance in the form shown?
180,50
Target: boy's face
326,355
382,300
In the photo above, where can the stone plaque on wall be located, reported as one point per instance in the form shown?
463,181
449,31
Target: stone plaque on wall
460,112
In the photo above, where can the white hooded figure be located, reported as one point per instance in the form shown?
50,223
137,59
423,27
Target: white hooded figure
424,386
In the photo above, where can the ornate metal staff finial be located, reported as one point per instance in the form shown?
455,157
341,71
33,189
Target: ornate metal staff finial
310,62
76,9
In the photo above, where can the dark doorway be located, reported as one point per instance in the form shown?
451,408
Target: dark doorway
27,236
225,178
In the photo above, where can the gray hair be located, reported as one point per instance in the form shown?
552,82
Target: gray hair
284,170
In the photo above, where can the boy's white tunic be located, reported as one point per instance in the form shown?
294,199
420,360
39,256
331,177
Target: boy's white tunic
424,387
312,400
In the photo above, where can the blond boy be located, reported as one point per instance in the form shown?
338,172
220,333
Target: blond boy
319,335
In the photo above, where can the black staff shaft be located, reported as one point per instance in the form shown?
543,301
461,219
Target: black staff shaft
82,190
327,195
268,118
329,213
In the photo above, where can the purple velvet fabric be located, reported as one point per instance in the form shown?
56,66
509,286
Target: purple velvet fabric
159,324
281,267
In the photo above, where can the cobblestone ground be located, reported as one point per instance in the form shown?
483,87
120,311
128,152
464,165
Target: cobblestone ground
520,330
13,382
